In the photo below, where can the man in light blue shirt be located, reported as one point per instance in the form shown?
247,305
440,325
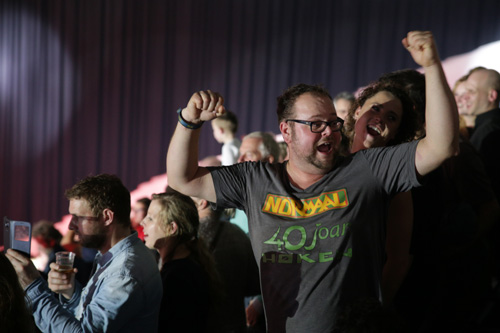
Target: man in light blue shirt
124,292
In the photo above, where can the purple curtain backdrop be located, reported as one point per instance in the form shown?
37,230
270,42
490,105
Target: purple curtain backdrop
92,86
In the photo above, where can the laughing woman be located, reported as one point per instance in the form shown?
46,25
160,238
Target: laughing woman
384,115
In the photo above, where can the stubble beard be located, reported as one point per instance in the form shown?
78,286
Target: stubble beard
93,241
312,158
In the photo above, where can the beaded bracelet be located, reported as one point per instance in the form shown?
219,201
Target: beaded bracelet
185,123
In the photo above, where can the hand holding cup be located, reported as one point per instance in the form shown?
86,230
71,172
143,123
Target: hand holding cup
61,277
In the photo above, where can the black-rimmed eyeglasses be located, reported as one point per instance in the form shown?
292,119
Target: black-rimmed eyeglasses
319,126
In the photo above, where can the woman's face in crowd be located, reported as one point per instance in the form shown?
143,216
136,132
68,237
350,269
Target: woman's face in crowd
154,230
459,93
377,121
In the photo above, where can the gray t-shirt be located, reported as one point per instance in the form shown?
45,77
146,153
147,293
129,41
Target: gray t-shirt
321,248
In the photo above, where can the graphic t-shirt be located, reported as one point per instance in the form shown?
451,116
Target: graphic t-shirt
321,248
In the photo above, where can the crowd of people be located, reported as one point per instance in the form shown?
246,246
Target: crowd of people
380,211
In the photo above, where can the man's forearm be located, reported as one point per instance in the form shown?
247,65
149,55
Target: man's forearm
182,157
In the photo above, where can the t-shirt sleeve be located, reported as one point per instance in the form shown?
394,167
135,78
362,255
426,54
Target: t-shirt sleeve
230,184
394,166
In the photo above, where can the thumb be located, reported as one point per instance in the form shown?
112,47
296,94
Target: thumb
405,42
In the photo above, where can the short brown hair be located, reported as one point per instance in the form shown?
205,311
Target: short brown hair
104,191
287,99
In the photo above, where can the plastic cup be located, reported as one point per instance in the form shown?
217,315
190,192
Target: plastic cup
65,261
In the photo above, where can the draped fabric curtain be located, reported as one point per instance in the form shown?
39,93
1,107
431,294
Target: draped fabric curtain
91,86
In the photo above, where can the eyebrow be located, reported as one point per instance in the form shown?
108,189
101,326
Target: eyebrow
388,110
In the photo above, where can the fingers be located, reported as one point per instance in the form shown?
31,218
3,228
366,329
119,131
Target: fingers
219,106
19,261
26,271
16,257
419,40
58,281
405,42
210,101
204,105
422,47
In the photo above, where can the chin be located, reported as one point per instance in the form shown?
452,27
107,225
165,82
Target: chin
324,164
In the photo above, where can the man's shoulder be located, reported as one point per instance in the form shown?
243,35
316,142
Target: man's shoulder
249,167
134,259
489,119
487,126
379,153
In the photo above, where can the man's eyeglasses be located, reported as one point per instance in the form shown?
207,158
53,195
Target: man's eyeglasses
319,125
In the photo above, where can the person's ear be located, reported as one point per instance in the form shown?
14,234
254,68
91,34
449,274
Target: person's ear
108,215
492,95
357,113
203,204
200,204
286,131
172,228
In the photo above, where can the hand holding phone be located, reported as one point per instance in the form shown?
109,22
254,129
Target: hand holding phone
26,271
17,236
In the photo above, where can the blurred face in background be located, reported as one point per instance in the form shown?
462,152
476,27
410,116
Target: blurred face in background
249,150
342,106
459,93
477,98
138,213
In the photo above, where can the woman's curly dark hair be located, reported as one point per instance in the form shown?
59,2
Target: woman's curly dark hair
410,123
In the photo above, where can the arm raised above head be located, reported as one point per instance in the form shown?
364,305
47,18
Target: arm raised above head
441,115
183,172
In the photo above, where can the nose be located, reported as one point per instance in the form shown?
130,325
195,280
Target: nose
327,131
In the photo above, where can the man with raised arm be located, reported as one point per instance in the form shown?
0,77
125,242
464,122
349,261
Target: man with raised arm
316,221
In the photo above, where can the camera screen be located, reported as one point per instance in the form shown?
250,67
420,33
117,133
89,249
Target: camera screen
22,233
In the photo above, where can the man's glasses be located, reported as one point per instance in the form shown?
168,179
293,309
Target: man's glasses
319,125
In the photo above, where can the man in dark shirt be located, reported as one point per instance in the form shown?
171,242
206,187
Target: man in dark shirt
482,99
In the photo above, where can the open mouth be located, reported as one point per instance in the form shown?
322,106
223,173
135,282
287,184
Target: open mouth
325,147
373,130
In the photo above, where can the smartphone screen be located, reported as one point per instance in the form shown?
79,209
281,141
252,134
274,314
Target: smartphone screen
22,233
